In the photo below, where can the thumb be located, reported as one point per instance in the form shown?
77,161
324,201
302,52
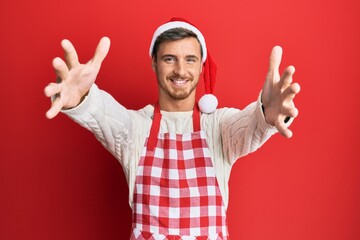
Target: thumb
275,59
101,51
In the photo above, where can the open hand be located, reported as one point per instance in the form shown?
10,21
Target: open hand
73,79
278,94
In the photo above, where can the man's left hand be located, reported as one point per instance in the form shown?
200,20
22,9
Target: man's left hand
278,94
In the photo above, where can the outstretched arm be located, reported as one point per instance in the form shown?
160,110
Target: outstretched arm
278,94
73,79
244,131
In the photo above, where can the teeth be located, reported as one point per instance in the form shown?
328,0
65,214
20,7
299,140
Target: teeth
178,81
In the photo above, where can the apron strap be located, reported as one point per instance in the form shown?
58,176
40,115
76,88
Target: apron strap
196,118
155,127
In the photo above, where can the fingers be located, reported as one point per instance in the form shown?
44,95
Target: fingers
275,59
287,77
288,108
101,51
71,56
290,92
55,108
280,92
283,129
52,89
61,68
290,111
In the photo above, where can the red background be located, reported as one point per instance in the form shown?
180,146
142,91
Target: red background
57,181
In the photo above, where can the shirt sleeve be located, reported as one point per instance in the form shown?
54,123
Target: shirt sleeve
110,122
244,131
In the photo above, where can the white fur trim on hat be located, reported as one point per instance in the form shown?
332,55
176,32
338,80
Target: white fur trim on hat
179,24
208,103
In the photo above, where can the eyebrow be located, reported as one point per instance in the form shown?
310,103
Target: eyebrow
192,56
174,56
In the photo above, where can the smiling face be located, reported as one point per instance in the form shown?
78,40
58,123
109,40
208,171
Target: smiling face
178,67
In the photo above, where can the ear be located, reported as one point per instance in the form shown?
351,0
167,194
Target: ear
153,64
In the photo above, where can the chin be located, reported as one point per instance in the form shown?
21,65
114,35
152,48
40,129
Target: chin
179,96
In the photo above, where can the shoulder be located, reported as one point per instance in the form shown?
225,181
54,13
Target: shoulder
146,111
142,118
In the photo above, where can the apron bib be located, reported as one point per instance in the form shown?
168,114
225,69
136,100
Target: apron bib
176,193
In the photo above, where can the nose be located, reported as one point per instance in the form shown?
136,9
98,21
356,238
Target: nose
180,68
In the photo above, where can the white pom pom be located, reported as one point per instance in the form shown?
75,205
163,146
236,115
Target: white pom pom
208,103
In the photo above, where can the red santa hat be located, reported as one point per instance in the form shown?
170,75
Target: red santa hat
208,102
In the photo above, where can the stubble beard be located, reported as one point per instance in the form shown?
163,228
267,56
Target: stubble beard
179,94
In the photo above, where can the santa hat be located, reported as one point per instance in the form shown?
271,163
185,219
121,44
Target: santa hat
208,102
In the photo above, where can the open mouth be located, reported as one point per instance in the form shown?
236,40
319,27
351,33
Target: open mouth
179,82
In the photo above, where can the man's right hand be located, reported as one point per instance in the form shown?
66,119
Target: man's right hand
74,80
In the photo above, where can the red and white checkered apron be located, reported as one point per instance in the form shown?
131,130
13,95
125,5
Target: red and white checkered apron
176,193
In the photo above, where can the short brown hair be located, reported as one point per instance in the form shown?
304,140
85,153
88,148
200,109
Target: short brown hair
173,35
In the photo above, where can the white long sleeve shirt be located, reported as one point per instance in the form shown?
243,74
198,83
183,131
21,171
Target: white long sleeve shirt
230,133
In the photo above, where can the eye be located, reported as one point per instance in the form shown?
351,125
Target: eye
191,60
169,59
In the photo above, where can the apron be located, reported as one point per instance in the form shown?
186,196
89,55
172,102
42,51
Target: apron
176,193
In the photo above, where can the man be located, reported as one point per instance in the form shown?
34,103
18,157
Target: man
176,160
